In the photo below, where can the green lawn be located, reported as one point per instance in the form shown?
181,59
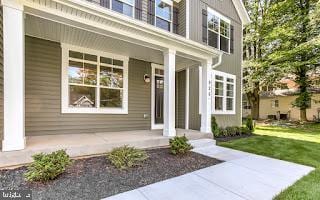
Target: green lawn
299,144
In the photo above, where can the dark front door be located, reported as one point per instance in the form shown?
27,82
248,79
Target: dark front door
159,87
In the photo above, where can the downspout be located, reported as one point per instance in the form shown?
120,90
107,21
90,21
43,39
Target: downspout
219,61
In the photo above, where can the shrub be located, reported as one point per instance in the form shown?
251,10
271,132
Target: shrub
245,131
214,127
125,157
250,124
179,145
47,166
232,131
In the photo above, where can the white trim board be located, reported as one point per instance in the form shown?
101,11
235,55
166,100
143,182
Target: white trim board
153,68
65,83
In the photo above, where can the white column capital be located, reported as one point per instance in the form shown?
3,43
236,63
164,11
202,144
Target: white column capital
15,4
169,51
207,62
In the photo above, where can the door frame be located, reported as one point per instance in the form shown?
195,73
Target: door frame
153,74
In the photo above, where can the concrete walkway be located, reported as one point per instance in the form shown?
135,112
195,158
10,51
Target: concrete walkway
242,176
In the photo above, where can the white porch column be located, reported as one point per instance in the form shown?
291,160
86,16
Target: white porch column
187,99
206,97
13,71
169,93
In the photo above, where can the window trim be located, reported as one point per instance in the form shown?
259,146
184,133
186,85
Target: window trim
225,19
225,77
169,2
133,8
65,82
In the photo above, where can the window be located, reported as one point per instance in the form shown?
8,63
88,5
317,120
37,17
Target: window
246,105
218,31
93,82
163,10
274,103
123,6
224,93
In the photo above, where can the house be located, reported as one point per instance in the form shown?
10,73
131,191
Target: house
277,103
126,64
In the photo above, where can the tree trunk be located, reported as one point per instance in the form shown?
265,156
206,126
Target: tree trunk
254,100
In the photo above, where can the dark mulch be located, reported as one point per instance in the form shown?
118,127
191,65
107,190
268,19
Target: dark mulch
95,178
226,139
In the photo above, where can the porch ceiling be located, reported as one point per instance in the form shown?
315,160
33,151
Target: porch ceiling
58,32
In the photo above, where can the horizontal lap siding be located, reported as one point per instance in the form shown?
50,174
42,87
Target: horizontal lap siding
194,116
43,96
180,99
1,77
231,63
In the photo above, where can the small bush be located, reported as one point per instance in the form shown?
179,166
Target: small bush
245,131
125,157
47,166
214,127
232,131
179,145
250,124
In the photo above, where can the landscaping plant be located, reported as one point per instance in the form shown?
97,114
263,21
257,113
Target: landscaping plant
47,166
214,126
125,157
179,145
250,124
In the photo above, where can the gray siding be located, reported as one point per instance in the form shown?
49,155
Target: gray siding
194,116
1,77
43,96
180,99
224,7
231,63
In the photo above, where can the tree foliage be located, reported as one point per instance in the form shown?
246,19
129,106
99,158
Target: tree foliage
283,39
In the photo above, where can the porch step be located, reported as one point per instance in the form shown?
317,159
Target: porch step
202,143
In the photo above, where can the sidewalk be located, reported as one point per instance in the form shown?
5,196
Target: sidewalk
242,176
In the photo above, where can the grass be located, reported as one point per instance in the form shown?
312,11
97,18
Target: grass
299,144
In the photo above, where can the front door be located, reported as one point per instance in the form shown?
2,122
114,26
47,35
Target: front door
158,114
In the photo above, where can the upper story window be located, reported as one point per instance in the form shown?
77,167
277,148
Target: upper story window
93,82
123,6
217,31
163,14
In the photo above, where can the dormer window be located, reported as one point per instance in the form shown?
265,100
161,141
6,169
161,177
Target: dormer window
163,10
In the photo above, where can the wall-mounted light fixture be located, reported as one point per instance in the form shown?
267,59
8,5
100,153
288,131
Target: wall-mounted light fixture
146,78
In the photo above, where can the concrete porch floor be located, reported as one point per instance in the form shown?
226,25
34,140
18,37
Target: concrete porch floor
78,145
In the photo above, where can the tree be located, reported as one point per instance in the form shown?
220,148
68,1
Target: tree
293,43
256,74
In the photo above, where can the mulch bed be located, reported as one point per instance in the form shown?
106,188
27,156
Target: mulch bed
96,178
226,139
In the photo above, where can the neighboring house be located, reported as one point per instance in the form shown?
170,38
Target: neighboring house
126,64
277,104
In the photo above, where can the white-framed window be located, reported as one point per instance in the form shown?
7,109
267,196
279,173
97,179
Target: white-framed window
218,31
93,81
275,103
125,7
224,93
163,14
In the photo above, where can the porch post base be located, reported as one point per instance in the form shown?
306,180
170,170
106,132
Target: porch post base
169,132
13,145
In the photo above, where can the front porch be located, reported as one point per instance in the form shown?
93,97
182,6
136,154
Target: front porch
80,145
